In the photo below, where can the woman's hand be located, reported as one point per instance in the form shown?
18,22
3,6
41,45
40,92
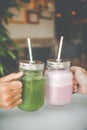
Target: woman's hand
80,80
10,90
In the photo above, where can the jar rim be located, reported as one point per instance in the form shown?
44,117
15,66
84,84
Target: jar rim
62,64
27,65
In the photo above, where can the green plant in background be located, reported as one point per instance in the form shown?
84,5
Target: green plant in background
7,56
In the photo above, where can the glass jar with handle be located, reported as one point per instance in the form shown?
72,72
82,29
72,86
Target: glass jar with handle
33,85
59,82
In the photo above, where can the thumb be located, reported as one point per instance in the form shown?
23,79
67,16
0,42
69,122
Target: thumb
74,69
12,76
78,70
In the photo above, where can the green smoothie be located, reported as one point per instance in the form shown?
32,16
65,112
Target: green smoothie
33,93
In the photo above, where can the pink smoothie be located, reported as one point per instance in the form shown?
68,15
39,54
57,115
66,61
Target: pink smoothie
59,86
58,95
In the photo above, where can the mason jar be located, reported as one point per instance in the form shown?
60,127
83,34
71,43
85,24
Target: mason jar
59,82
33,85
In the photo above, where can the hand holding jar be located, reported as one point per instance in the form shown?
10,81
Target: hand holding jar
10,90
80,80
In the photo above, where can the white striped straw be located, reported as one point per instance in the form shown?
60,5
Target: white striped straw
60,48
30,50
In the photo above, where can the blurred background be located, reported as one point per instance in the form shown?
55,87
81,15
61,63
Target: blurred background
44,21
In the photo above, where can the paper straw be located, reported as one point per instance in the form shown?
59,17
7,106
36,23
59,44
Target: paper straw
30,50
60,48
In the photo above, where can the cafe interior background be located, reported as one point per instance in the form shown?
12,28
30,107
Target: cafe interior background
44,22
